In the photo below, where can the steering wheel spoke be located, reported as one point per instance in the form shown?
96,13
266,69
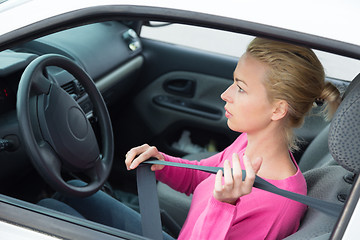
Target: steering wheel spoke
40,84
51,162
95,173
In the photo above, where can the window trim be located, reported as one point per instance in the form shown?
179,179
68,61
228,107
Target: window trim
55,223
104,13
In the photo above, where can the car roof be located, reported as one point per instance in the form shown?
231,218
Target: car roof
326,18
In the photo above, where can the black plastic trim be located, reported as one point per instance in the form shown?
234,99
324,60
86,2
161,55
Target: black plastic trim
180,87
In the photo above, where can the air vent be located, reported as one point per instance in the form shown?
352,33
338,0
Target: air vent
80,88
74,89
69,87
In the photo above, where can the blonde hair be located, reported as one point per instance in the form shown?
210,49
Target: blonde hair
295,75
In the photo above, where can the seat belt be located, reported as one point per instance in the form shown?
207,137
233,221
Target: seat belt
148,203
149,185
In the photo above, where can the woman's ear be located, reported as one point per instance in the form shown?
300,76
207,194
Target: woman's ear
280,110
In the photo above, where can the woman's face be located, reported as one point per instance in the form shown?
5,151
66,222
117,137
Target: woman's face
247,106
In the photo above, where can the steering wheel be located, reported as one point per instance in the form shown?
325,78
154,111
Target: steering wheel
55,131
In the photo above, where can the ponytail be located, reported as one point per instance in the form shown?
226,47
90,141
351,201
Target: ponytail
331,98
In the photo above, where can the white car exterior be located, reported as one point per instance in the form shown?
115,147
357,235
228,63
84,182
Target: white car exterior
332,19
10,232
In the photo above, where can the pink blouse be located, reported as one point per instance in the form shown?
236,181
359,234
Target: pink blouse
258,215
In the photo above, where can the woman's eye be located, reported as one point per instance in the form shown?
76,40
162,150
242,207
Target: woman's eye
240,89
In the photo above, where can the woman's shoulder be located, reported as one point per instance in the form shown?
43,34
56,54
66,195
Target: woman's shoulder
295,183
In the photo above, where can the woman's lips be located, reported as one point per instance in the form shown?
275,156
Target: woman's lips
227,114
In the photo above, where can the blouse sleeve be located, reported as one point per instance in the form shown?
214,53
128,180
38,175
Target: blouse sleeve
182,179
186,180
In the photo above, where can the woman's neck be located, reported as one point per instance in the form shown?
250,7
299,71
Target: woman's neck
273,148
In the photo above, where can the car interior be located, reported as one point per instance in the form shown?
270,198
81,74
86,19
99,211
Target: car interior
155,92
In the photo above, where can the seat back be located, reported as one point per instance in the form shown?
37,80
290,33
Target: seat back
326,183
344,132
317,153
333,183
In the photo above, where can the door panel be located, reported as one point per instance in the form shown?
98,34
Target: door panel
205,106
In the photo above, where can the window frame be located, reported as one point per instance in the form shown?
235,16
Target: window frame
54,223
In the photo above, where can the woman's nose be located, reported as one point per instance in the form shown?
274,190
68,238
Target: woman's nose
226,95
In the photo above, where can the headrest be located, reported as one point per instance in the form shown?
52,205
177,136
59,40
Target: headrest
344,134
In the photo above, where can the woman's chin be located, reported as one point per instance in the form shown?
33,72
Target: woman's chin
232,126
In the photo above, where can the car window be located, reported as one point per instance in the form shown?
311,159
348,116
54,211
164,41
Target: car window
212,40
339,67
234,44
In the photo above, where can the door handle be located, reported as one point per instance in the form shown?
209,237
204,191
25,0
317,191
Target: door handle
180,87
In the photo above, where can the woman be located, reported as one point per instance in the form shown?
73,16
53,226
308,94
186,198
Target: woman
275,86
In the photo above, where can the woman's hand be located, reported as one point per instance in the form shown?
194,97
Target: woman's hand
234,187
141,153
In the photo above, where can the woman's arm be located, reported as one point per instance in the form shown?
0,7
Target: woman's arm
182,179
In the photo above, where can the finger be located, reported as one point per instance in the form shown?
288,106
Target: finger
156,167
132,153
153,152
129,158
250,174
228,178
142,153
237,171
257,164
148,153
218,182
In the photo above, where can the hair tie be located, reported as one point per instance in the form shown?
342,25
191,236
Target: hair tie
319,101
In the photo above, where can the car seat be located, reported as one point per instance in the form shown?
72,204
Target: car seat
324,177
333,183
